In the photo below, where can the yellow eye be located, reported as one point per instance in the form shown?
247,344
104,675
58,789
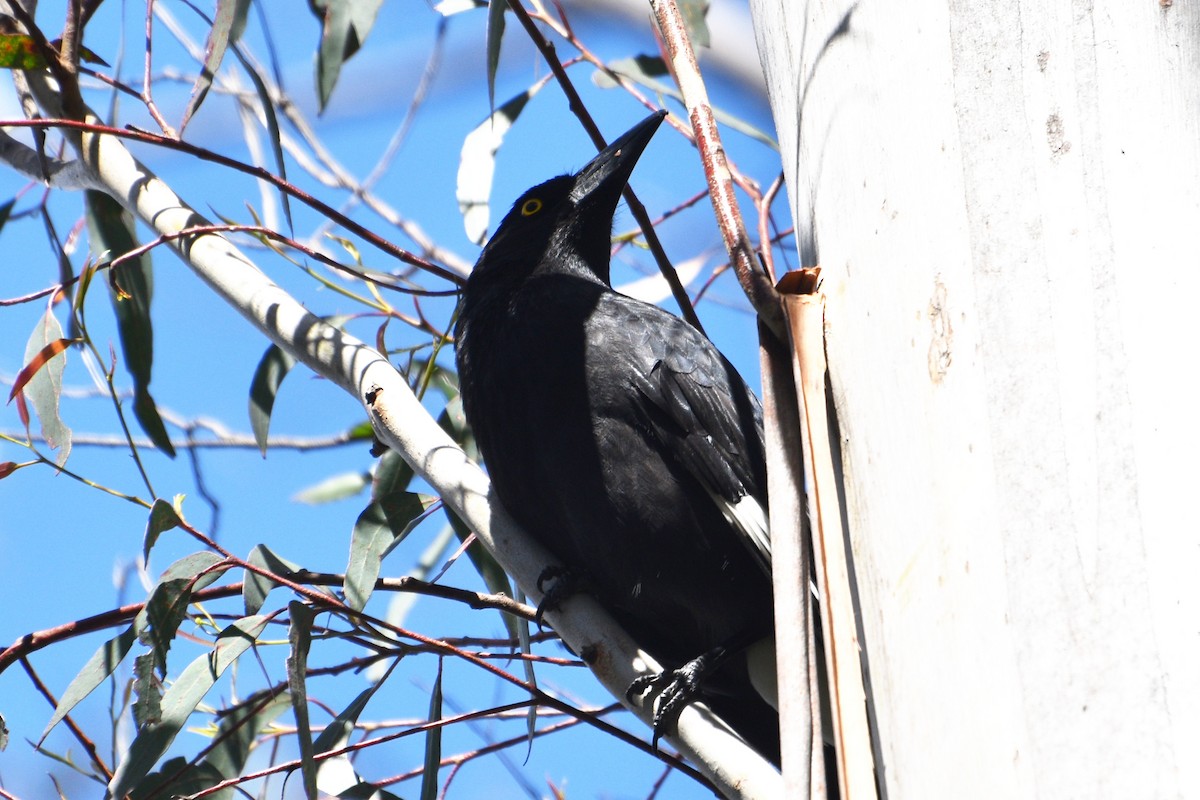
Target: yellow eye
531,207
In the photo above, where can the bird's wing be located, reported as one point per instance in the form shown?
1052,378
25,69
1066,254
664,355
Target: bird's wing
698,406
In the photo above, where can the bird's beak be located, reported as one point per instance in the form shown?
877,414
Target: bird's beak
605,176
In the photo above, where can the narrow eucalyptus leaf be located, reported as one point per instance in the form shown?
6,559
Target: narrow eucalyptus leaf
256,587
477,162
272,368
433,742
163,517
111,234
44,389
381,526
180,701
238,732
228,24
300,639
97,669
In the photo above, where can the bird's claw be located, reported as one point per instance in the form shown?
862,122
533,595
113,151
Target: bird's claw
675,689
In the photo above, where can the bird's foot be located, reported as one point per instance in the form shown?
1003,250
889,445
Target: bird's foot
563,583
675,688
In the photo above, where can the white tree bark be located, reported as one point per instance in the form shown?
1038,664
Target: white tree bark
1005,199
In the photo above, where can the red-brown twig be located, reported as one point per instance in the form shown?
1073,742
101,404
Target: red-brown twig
32,642
76,731
754,283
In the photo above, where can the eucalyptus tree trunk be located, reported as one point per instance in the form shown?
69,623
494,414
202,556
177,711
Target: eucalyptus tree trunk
1005,201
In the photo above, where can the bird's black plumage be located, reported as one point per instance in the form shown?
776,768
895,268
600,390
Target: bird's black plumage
619,436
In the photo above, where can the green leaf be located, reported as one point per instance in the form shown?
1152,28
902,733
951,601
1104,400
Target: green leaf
495,36
337,773
165,612
146,412
272,368
163,517
531,715
272,122
43,387
147,709
102,664
435,376
169,600
642,69
693,13
381,526
392,474
227,27
238,732
181,700
66,270
645,69
334,488
191,566
300,638
477,161
337,733
177,778
255,587
453,420
6,211
344,27
433,742
427,563
362,432
494,576
131,287
20,51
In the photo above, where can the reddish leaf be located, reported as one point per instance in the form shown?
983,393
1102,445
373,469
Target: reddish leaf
7,468
23,411
19,51
43,356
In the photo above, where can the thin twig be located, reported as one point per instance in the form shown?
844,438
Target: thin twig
754,283
593,131
32,642
237,441
76,731
147,95
764,223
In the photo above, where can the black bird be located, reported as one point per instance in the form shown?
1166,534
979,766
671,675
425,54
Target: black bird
620,438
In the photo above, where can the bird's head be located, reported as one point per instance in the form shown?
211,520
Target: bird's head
565,224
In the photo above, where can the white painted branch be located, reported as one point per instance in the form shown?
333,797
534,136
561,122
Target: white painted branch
403,424
1004,198
63,175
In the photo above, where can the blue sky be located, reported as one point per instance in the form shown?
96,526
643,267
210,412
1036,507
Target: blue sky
64,548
